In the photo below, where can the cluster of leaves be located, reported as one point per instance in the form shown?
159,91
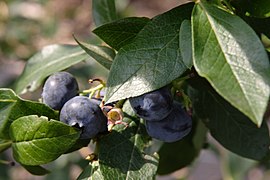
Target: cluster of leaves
214,43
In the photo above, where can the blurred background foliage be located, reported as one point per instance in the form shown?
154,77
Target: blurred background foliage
27,26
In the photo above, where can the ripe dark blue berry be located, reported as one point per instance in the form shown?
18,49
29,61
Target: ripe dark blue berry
58,89
153,106
85,114
173,127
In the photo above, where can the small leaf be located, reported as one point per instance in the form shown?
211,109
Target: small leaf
121,32
228,53
103,11
13,107
50,59
38,141
102,54
152,60
36,170
230,127
186,43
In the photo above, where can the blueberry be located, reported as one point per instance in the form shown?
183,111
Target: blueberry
173,127
58,89
153,106
85,114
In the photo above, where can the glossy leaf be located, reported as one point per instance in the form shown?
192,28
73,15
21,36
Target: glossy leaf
234,61
38,141
102,54
229,126
103,11
152,60
121,32
50,59
13,107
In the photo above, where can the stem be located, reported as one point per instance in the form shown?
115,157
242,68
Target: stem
120,103
97,147
9,163
185,77
94,90
228,5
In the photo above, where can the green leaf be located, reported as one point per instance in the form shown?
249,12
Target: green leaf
4,145
185,42
152,60
122,153
174,156
121,32
254,8
36,170
228,53
13,107
102,54
91,171
229,126
50,59
38,141
103,11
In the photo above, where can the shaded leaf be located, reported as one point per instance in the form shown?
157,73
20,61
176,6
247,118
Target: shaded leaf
229,126
36,170
122,153
91,171
38,141
121,32
236,166
233,61
152,60
103,11
50,59
254,8
80,143
102,54
13,107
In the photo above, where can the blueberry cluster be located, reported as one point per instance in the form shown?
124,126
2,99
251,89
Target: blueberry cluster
60,92
165,118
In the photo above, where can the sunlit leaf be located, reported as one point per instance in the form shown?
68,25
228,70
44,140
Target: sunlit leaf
229,54
152,60
36,140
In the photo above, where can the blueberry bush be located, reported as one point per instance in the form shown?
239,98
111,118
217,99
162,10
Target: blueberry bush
202,67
